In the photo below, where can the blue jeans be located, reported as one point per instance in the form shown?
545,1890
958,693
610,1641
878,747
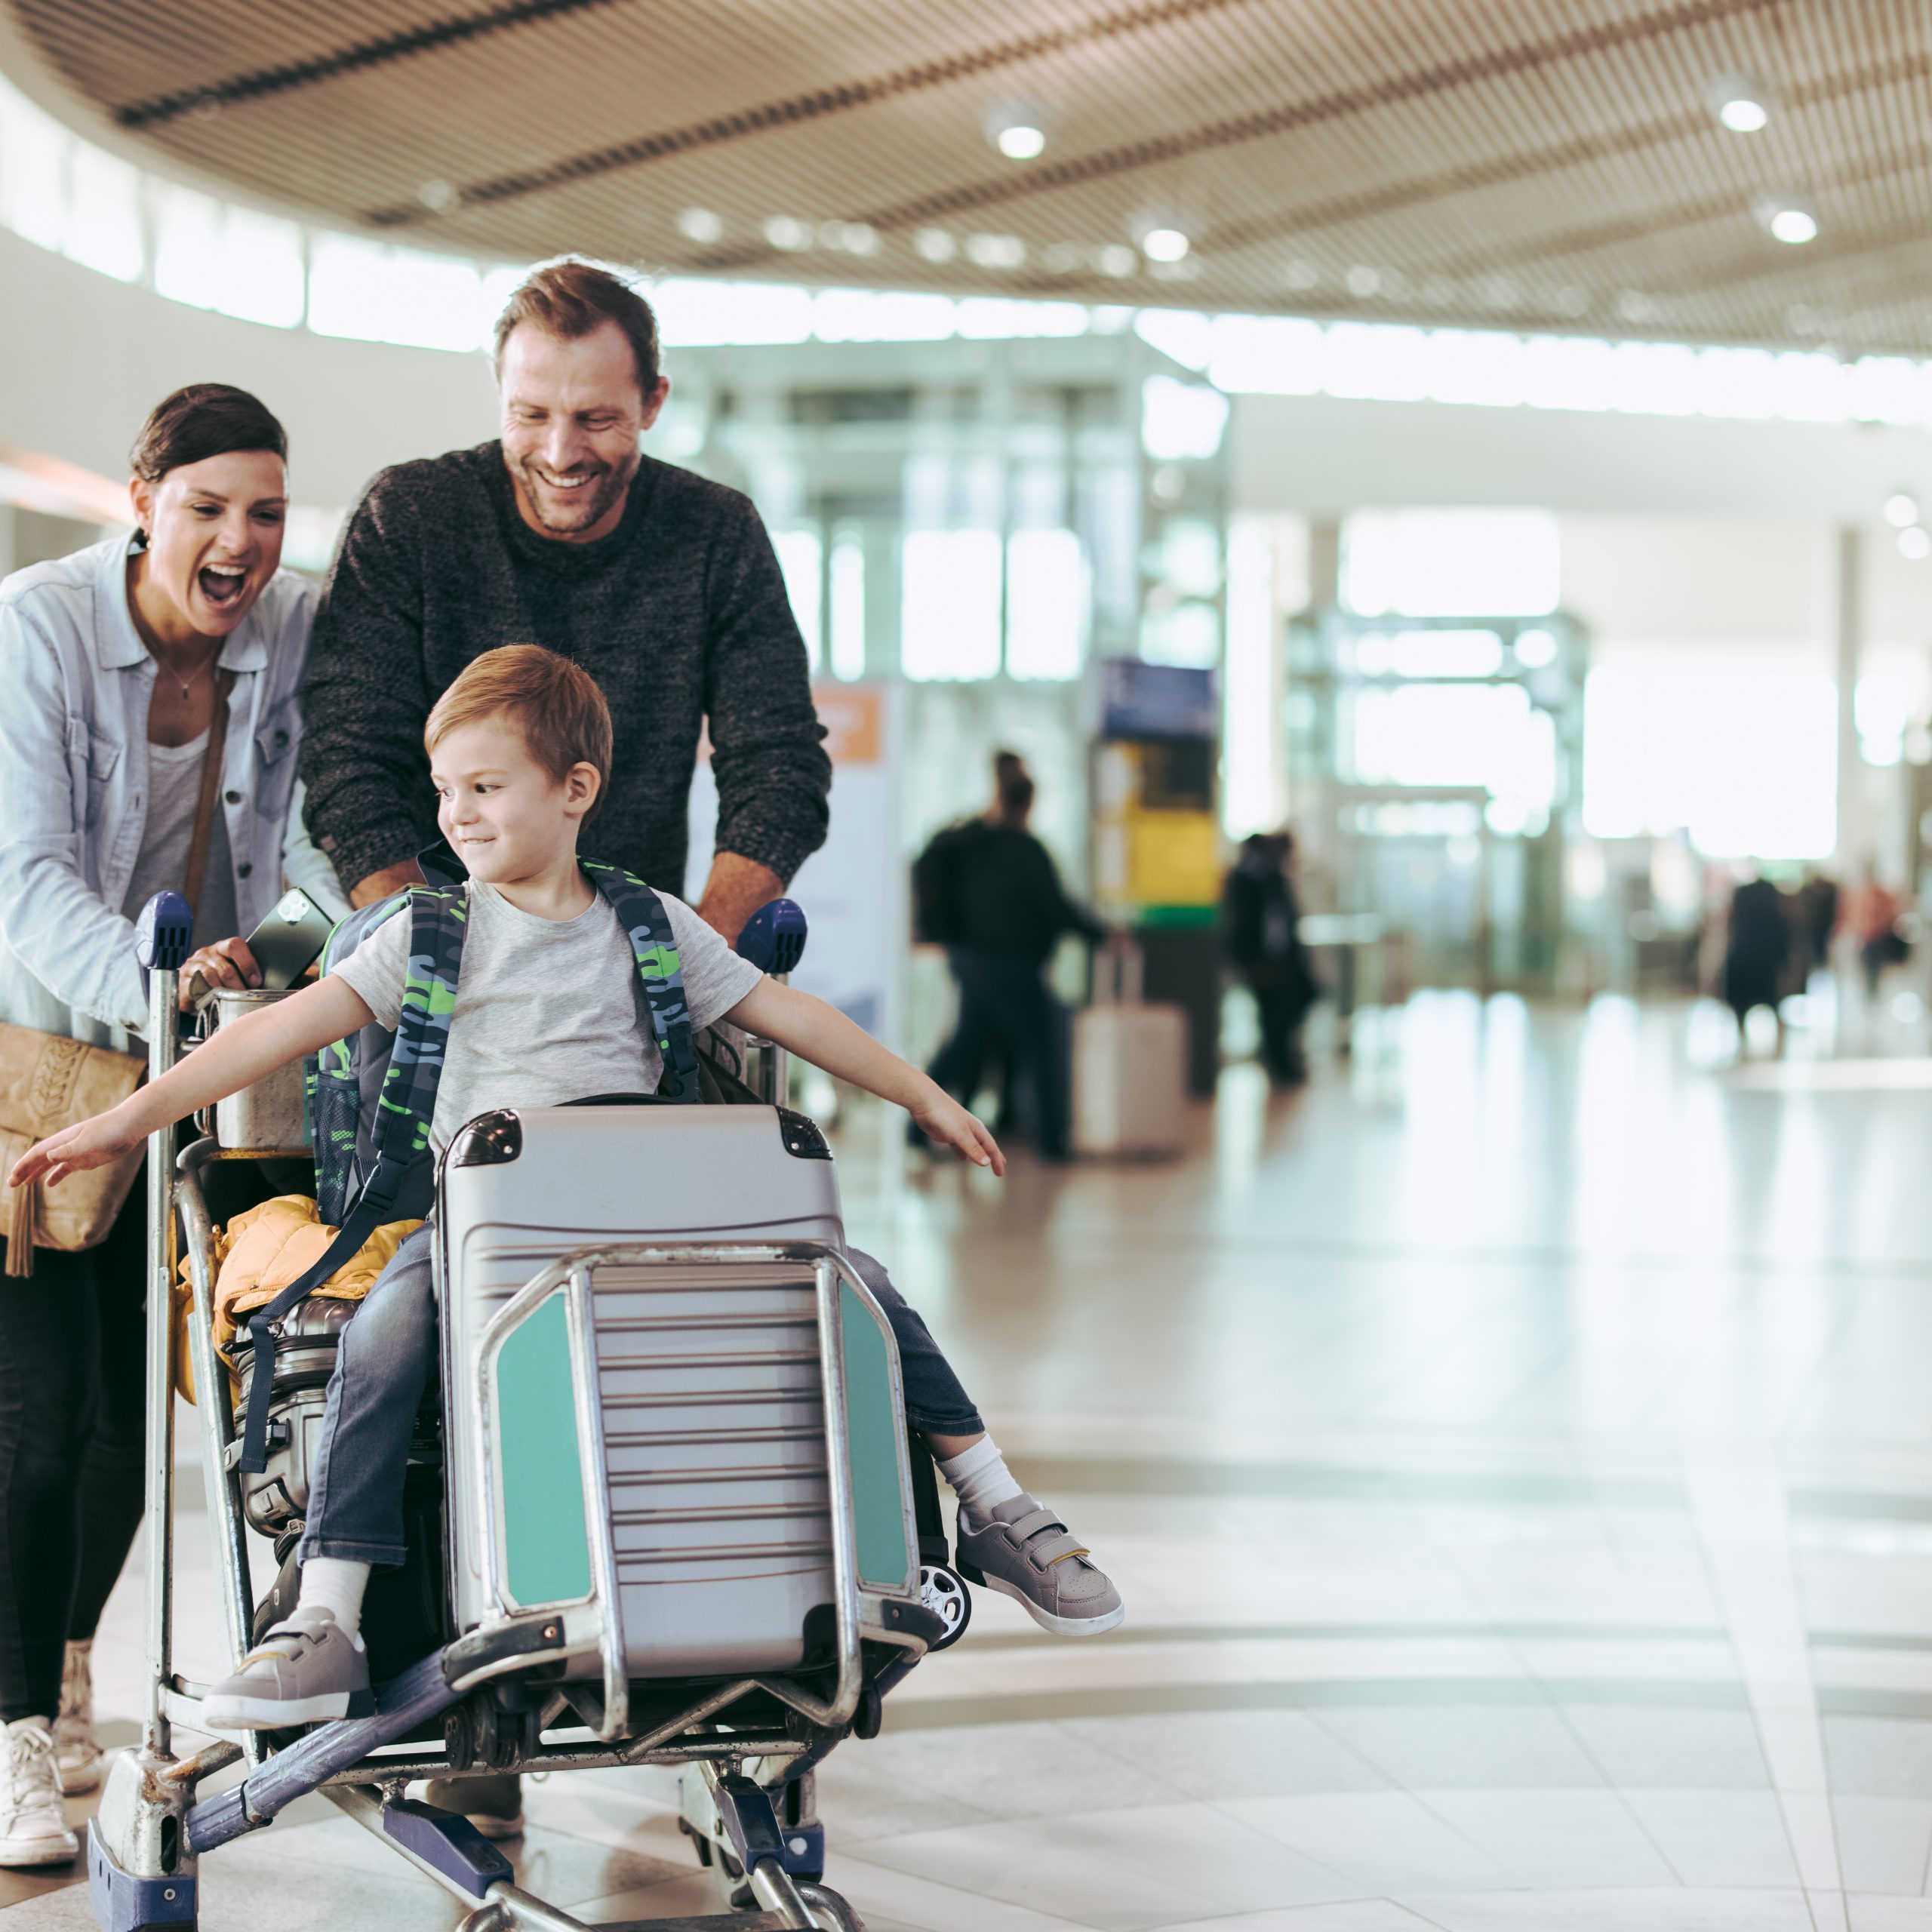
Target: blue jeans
388,1356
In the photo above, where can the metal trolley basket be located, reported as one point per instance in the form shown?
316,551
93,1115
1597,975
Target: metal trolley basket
682,1523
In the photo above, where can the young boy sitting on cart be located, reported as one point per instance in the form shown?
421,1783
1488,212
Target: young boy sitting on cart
520,751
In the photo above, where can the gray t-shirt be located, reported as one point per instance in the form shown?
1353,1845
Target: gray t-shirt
547,1010
174,795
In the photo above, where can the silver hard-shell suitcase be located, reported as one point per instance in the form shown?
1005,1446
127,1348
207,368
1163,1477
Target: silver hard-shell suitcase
711,1430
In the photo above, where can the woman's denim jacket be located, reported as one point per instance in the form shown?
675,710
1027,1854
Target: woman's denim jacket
75,683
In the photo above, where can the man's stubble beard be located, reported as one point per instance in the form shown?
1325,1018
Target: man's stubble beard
605,496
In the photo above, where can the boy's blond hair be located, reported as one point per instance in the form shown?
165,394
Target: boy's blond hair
555,704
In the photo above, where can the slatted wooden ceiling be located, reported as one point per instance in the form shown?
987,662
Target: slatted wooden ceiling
1525,164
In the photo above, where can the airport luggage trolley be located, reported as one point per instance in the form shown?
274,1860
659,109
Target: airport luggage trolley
681,1520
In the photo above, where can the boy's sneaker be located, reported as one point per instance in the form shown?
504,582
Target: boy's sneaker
307,1669
33,1830
495,1805
77,1750
1025,1552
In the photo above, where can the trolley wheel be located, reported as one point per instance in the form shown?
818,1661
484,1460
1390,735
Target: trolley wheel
943,1591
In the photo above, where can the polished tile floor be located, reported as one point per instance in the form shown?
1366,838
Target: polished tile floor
1516,1452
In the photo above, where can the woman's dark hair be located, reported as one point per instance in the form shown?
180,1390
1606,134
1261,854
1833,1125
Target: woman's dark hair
202,420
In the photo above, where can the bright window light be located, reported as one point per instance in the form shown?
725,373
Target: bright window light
348,285
862,314
1812,388
1764,787
104,214
798,558
1266,354
1482,366
1445,654
1478,735
1451,563
1181,419
1891,700
187,246
1190,560
1046,600
1180,334
1188,634
950,605
1568,372
1250,707
847,588
1737,382
693,314
263,278
1655,379
1888,389
1377,363
434,301
34,149
994,318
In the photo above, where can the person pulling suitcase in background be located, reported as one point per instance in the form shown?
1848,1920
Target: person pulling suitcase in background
543,1010
988,890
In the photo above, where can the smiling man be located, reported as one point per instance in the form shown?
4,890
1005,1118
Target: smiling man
663,586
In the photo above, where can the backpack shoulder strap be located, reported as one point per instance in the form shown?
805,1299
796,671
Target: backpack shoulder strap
406,1106
640,912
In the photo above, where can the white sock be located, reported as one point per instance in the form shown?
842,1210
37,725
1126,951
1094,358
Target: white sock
980,1479
335,1583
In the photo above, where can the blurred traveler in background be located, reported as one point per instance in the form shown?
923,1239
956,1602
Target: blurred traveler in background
987,892
147,743
1818,920
662,585
1757,949
1874,918
1260,914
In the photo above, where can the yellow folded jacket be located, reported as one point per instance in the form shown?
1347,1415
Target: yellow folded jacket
261,1252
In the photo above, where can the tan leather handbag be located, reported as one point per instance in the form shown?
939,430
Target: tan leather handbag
48,1081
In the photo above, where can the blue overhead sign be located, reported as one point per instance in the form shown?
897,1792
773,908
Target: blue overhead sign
1143,700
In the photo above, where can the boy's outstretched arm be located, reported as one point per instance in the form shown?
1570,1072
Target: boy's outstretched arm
235,1056
807,1026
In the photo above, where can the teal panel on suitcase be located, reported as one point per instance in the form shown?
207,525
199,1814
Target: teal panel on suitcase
546,1546
873,1424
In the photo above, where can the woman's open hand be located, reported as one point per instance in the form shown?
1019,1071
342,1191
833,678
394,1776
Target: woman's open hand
227,963
89,1143
941,1118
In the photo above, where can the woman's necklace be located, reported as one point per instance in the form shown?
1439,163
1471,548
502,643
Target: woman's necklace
186,685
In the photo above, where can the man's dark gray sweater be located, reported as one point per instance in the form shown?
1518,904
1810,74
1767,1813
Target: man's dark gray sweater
680,614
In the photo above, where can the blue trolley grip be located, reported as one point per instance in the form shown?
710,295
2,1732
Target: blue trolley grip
163,935
774,938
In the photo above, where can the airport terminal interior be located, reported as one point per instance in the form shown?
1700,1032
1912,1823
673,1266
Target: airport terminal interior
1490,444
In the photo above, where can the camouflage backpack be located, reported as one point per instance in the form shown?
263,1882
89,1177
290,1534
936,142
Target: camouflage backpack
372,1096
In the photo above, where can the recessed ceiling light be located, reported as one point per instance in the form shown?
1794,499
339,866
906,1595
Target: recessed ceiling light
1741,106
1901,509
439,197
1018,129
1915,543
934,244
1787,220
701,226
1165,244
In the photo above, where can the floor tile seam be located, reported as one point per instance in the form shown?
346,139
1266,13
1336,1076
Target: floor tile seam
1717,1579
1308,1695
1050,1919
1100,1241
1500,1631
1571,1729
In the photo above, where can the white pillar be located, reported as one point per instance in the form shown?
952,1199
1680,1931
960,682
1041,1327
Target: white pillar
1852,854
